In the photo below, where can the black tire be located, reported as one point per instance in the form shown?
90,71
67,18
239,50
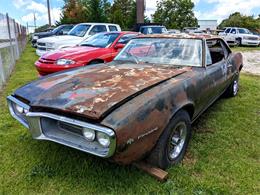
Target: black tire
161,155
239,42
232,90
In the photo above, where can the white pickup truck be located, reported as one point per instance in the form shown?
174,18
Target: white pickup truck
75,36
239,36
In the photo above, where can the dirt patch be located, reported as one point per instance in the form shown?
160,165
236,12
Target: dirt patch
251,62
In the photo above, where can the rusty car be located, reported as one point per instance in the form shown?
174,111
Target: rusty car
140,106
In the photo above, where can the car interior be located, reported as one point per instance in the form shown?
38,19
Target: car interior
216,51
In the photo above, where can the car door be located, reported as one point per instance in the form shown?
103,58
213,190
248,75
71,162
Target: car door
216,68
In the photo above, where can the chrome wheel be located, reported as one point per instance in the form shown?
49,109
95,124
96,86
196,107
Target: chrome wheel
177,140
235,87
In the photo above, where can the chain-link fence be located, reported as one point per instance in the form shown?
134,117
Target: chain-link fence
12,43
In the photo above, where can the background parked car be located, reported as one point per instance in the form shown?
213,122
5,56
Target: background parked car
100,48
239,36
60,30
77,34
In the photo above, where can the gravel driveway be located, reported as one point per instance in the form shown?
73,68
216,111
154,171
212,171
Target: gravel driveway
251,62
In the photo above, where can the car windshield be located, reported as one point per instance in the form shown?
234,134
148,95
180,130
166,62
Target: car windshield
100,40
56,29
79,30
166,51
243,31
153,30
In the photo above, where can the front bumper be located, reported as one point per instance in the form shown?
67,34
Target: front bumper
250,42
62,130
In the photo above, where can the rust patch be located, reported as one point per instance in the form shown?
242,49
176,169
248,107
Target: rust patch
93,91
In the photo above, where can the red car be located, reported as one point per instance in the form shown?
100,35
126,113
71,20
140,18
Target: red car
100,48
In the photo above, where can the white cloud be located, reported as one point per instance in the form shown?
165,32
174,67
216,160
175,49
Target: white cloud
20,3
37,7
221,9
29,17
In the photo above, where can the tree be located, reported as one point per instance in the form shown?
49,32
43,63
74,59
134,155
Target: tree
123,12
175,14
98,10
238,20
73,12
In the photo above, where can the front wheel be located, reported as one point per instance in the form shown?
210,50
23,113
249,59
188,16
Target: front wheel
171,147
232,90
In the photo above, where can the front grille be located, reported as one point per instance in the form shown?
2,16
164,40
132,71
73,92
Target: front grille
252,38
41,48
41,44
70,135
70,127
46,61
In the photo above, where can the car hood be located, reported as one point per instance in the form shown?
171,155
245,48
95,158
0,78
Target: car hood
42,34
94,91
56,39
69,52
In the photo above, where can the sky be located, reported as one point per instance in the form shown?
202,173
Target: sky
23,10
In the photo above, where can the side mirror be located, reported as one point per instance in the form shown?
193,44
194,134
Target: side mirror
60,33
119,46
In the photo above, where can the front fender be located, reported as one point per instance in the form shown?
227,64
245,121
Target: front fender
139,123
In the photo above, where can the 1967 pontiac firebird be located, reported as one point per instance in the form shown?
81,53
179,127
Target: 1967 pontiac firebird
139,106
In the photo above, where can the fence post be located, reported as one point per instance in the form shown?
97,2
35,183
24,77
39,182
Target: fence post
10,37
2,75
16,42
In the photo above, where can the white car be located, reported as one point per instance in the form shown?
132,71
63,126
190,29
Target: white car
239,36
76,35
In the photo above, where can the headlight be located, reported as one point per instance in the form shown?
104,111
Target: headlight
64,62
89,134
19,109
103,139
49,44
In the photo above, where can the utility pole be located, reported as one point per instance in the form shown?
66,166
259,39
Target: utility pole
34,19
140,11
49,12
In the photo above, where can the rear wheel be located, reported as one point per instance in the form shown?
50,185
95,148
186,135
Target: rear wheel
172,145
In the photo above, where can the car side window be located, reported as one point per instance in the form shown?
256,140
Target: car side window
208,56
216,50
66,29
233,31
112,28
126,38
227,30
97,29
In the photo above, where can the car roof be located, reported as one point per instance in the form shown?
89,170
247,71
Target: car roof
181,35
152,26
93,23
121,32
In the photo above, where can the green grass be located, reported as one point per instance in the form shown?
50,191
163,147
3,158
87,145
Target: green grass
223,157
243,49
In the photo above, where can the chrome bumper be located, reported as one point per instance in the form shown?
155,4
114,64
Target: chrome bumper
62,130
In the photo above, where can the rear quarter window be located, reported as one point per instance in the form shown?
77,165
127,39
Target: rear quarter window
112,28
